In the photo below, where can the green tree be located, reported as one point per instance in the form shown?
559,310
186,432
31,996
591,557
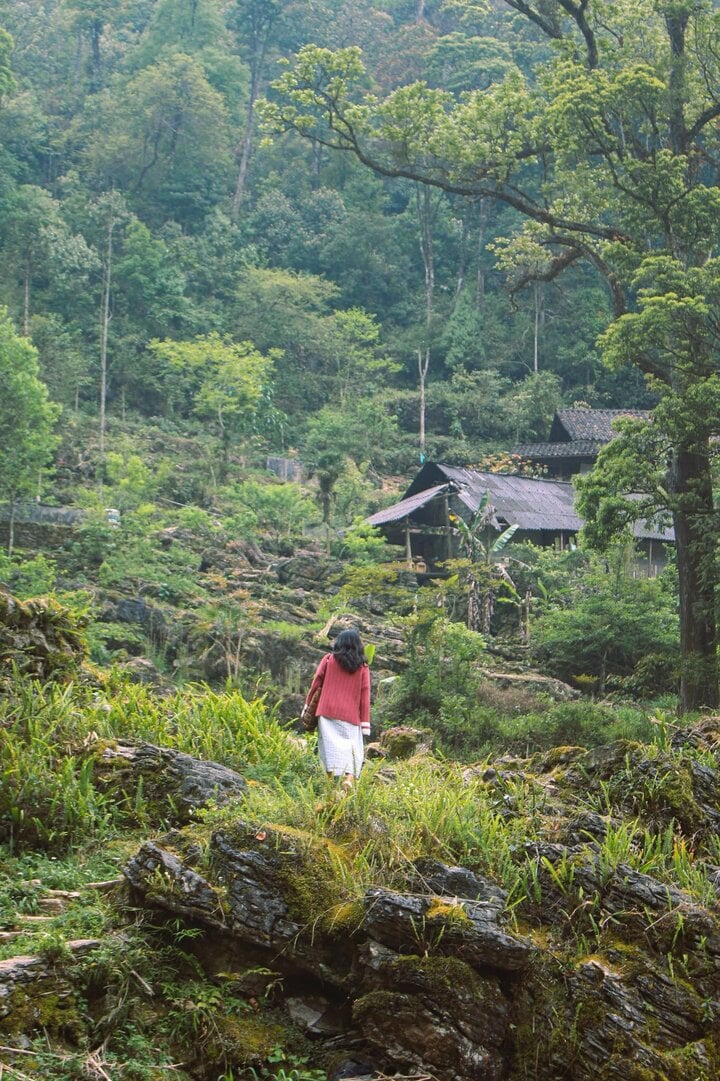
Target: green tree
608,148
7,80
611,626
26,419
164,138
224,380
39,246
482,572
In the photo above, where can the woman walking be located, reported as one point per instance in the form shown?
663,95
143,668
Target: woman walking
343,709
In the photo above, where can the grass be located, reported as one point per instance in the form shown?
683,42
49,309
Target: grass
48,798
69,834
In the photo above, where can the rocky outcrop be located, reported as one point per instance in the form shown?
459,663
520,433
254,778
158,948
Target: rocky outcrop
427,976
173,784
309,570
402,741
595,968
534,683
39,993
39,637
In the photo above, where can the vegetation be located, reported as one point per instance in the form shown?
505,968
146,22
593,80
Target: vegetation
224,343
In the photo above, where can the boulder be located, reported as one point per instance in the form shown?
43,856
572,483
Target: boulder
534,683
308,570
40,637
174,782
143,671
404,741
408,980
433,1014
38,994
448,926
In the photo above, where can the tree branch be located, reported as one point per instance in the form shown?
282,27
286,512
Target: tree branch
547,27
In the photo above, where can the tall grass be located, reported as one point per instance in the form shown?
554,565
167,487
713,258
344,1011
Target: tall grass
49,736
425,809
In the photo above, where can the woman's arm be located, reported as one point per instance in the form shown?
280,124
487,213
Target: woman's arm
365,701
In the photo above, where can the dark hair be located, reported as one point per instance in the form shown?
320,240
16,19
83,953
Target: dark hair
348,651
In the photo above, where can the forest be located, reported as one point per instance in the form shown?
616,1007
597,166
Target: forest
262,260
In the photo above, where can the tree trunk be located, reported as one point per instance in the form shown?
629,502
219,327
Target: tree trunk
104,337
426,216
95,35
11,529
423,365
695,539
26,300
260,36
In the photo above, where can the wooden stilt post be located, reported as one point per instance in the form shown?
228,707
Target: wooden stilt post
448,533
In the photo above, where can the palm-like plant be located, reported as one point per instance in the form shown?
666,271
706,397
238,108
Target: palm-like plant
484,570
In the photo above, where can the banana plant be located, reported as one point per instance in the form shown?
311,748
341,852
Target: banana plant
485,572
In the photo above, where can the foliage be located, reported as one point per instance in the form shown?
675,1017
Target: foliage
612,625
27,576
579,119
440,686
274,509
27,416
361,544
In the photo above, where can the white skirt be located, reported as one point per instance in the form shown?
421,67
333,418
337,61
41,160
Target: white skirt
340,747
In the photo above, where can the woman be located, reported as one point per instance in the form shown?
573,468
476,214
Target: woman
343,708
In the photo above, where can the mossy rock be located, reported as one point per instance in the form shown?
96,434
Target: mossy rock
40,637
404,742
312,873
49,1005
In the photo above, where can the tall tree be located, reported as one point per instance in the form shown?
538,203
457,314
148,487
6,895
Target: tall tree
111,214
256,21
609,148
7,81
26,418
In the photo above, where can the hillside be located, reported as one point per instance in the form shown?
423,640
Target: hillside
265,268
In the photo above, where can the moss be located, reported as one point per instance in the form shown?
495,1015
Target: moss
313,874
546,761
440,975
385,1003
450,912
345,918
47,1006
245,1039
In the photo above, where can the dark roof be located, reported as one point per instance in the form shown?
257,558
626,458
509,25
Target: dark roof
574,448
528,501
591,423
405,507
533,504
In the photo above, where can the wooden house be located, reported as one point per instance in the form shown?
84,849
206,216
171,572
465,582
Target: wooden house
576,437
543,510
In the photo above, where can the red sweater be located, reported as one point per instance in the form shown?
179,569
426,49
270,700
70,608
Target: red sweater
345,695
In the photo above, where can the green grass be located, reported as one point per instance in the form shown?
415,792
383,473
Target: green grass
48,798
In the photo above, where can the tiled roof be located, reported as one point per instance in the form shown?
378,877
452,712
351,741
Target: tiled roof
531,503
574,448
594,423
405,507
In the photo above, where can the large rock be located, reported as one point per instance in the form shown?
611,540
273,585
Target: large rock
174,783
433,1013
37,994
425,973
534,683
601,961
448,926
40,637
308,570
